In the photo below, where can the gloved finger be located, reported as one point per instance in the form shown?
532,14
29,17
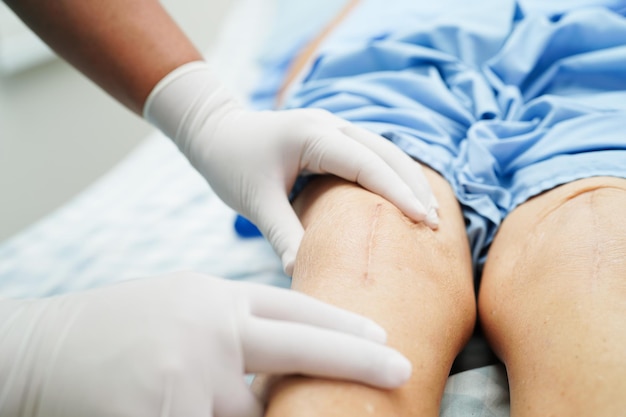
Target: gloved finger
408,169
284,348
280,225
289,305
351,160
235,399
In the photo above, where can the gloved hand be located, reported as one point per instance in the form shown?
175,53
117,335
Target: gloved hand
177,346
252,159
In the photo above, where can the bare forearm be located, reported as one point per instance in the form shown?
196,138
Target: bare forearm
124,46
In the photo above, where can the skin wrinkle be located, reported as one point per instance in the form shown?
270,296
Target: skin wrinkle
575,194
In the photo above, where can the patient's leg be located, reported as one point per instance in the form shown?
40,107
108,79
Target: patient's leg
553,300
361,253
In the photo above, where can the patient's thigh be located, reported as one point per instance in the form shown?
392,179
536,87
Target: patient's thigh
553,300
361,253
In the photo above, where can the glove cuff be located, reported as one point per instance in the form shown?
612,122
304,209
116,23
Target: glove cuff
184,100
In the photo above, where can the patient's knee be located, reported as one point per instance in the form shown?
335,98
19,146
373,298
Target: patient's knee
565,246
347,222
577,228
364,239
349,227
586,221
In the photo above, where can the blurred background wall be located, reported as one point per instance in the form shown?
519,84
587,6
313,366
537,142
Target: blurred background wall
58,131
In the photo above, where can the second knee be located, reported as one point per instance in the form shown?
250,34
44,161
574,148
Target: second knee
588,223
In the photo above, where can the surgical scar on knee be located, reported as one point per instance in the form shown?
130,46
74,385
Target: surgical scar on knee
371,242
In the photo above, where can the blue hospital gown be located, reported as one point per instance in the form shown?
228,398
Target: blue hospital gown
505,99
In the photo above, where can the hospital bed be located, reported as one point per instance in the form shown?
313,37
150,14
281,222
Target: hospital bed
152,213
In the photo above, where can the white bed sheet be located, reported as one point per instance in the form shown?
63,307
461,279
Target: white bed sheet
153,214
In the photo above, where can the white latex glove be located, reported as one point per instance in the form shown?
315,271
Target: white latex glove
177,346
252,159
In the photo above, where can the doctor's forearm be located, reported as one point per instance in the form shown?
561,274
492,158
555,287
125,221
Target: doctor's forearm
124,46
